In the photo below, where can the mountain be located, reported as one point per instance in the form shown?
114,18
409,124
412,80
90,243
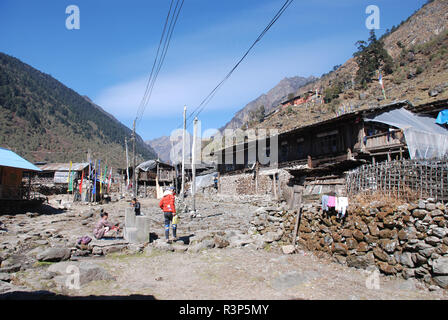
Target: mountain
270,100
43,120
162,146
419,51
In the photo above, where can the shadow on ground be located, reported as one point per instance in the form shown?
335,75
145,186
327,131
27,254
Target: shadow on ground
47,295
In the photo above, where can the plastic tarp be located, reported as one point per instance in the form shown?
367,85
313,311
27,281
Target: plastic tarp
205,181
147,165
442,117
425,138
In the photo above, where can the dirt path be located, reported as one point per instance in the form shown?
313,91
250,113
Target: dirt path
241,273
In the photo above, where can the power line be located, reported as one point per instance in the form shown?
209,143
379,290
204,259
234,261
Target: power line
210,96
172,16
142,103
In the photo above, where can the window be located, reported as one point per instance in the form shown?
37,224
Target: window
300,148
327,142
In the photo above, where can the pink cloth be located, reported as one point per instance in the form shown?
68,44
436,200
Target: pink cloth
331,201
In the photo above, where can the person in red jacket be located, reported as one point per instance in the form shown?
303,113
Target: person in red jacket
169,211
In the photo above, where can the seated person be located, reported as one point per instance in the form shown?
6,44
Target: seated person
105,229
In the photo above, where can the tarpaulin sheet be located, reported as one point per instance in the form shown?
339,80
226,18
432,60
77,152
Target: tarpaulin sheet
425,138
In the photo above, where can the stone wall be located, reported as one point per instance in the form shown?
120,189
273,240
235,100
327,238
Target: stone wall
409,240
244,184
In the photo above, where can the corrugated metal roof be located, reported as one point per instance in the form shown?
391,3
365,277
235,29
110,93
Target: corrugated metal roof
63,166
11,159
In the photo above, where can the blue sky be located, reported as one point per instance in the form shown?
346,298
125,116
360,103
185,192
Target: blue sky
109,58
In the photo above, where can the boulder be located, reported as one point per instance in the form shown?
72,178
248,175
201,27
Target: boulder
54,254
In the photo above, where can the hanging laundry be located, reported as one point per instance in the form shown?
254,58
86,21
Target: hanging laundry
331,201
342,204
324,202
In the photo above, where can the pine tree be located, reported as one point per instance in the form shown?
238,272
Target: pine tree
370,57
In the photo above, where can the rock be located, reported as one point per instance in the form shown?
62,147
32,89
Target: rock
430,206
113,248
408,273
419,213
440,266
220,242
97,251
5,277
380,254
373,228
11,268
439,232
340,259
206,244
389,245
90,271
386,268
358,235
54,254
288,249
351,243
433,240
179,247
421,204
406,259
339,248
386,234
362,247
360,262
436,213
441,281
419,259
162,245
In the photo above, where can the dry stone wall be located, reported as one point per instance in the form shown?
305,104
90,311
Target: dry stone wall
244,184
410,241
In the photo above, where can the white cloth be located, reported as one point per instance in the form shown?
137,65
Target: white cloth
341,205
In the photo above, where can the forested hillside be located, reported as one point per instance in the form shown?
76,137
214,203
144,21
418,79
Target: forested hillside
43,120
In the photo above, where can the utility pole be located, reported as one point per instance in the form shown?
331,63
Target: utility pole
182,190
193,164
127,163
134,183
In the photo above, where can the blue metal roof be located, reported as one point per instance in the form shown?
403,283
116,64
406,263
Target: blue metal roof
11,159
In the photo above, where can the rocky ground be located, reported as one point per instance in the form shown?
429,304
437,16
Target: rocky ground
215,258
